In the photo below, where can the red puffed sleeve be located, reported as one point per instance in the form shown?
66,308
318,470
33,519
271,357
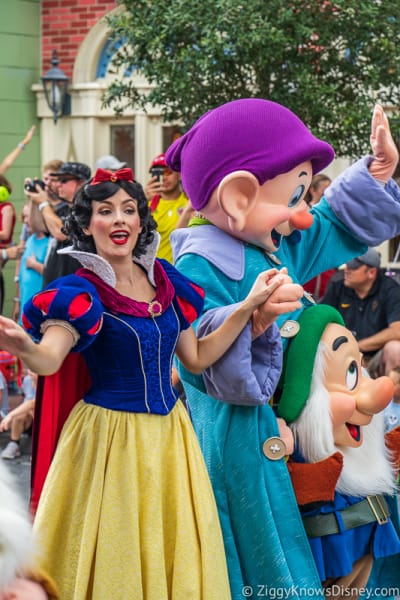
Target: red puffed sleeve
70,299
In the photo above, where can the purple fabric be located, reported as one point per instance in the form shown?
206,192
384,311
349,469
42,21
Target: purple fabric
255,135
116,302
208,241
254,366
377,218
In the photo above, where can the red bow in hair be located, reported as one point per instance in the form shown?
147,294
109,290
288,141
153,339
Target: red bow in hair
102,175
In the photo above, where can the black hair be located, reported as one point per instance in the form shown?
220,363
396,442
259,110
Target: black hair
81,213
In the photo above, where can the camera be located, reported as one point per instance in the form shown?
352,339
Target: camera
30,186
157,172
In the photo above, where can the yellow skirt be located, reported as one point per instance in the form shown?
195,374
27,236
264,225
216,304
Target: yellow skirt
127,511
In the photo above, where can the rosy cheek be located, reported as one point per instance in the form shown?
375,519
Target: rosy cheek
99,225
342,407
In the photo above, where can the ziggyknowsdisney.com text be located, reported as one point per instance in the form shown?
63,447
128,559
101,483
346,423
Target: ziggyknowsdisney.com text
276,593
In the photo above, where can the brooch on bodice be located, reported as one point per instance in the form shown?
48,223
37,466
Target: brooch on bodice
154,308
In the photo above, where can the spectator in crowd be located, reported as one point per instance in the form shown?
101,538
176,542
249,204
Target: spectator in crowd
10,158
48,187
52,184
392,411
25,229
12,252
23,237
70,177
7,213
369,303
3,396
31,267
7,210
7,225
108,162
20,418
168,203
317,188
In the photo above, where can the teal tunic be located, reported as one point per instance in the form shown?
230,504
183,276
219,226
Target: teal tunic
266,546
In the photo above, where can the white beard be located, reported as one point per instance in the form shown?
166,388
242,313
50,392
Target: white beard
367,470
16,544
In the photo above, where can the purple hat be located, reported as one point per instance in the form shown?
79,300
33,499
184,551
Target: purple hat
254,135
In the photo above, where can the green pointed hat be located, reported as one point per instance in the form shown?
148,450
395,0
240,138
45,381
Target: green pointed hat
298,360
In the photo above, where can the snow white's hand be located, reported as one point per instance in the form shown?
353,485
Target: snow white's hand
384,149
13,338
282,297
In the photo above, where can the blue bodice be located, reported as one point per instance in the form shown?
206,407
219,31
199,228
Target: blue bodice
130,362
129,355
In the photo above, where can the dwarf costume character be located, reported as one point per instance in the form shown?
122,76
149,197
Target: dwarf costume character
246,167
341,468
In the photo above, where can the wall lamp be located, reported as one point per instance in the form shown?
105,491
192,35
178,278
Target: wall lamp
55,86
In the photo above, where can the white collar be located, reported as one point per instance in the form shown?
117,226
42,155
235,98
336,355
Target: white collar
103,269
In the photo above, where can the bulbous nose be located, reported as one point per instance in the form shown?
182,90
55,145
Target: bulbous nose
301,219
374,395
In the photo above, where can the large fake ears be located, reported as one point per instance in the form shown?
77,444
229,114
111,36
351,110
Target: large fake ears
4,193
236,195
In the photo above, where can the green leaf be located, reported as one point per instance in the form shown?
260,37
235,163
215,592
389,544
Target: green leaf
329,62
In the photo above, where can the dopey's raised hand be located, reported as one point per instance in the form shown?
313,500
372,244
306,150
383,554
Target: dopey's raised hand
384,149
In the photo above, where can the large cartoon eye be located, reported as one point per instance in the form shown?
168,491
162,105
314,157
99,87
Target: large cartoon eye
296,196
352,375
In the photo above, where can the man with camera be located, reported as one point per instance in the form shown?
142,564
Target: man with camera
67,180
169,204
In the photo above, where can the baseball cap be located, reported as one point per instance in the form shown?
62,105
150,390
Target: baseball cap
75,170
371,258
110,162
159,161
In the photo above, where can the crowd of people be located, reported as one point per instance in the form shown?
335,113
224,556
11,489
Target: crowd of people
162,328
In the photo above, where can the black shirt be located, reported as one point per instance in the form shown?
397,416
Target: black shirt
58,265
366,316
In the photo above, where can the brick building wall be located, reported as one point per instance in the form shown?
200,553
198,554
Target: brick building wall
65,24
